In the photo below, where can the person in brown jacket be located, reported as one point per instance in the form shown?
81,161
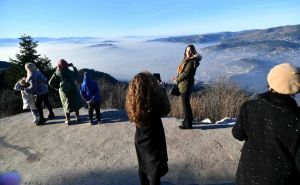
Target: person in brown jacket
146,103
270,127
185,80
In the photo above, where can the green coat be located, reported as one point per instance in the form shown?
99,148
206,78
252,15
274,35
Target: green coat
185,79
71,100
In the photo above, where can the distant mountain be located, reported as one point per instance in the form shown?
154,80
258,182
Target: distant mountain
205,38
97,75
109,41
286,33
264,45
4,65
101,45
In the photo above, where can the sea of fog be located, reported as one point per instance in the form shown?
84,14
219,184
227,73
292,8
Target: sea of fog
122,59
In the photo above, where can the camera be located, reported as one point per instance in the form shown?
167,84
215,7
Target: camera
157,76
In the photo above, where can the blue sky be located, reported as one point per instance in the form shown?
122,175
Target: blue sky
116,18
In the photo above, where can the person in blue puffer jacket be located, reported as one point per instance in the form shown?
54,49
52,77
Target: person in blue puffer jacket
37,82
89,91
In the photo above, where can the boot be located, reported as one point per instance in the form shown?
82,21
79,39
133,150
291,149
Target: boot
35,115
91,122
41,121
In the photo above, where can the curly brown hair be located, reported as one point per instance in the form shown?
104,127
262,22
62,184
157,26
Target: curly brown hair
141,99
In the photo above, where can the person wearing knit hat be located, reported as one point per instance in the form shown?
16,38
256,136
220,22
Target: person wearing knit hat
63,80
270,127
284,79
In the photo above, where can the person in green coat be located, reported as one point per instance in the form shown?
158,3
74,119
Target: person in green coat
63,80
185,80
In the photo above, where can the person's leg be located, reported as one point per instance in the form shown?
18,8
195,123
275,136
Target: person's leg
77,116
67,119
190,111
143,178
35,114
98,113
48,105
91,110
38,104
187,110
154,180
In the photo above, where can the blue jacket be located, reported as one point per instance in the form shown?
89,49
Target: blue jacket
37,84
89,89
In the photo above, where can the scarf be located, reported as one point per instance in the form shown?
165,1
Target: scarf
185,61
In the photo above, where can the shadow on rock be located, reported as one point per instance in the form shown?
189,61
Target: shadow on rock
114,116
101,177
31,155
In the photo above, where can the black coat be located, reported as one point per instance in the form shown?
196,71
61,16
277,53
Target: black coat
151,149
270,126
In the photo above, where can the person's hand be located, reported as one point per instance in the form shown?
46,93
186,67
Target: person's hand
174,80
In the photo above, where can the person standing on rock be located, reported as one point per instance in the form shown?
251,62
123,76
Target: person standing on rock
37,85
270,127
146,103
185,80
89,92
63,80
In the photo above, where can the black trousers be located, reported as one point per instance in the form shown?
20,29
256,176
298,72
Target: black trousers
187,110
96,107
149,180
38,103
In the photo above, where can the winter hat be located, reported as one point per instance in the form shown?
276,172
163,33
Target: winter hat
284,79
62,64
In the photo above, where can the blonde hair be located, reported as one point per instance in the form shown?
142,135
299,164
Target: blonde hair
30,68
141,100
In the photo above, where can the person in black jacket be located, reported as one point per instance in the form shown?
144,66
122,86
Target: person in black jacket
146,102
270,127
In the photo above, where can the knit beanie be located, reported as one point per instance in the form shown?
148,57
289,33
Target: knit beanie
284,79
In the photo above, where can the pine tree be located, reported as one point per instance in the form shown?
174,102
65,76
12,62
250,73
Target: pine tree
28,53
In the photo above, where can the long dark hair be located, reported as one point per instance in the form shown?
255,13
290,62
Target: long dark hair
193,50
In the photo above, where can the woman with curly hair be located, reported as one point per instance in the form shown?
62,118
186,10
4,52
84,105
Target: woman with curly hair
146,103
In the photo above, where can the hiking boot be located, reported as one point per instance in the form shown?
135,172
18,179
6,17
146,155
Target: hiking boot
182,127
91,122
41,121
